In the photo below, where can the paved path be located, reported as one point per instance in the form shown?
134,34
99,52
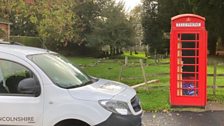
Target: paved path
215,118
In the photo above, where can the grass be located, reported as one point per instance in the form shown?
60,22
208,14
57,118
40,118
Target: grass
154,97
139,55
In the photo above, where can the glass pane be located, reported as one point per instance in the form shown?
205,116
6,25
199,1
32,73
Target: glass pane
197,45
196,84
189,76
11,75
188,68
189,52
190,88
189,60
60,71
197,36
188,36
196,69
186,44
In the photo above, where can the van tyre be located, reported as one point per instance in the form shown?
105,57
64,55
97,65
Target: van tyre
72,123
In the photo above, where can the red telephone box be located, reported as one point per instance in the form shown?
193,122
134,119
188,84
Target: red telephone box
188,60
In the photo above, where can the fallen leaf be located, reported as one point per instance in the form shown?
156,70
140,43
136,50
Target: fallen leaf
154,116
165,110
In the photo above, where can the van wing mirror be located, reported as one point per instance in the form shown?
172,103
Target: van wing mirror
29,86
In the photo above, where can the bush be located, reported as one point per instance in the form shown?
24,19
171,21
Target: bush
74,49
27,40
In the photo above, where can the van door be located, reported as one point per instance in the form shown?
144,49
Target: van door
16,108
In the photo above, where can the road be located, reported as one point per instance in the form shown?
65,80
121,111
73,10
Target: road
215,118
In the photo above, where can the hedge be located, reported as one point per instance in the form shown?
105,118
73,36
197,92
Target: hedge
3,35
27,40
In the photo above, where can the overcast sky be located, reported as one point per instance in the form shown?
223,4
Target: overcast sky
130,4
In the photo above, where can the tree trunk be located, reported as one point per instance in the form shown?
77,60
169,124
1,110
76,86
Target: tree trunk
112,51
130,51
117,51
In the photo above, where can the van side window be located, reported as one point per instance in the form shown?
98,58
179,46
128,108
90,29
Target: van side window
11,74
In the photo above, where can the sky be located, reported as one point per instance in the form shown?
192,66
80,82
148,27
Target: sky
130,4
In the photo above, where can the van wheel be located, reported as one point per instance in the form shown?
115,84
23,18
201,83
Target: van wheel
72,123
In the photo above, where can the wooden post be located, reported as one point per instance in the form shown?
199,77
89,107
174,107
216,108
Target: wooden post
214,79
126,61
143,70
120,74
8,32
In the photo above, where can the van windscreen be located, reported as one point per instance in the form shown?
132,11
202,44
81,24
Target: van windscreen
60,70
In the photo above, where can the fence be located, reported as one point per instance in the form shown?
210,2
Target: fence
214,85
215,75
141,64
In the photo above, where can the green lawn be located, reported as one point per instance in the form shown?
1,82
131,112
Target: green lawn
154,97
139,55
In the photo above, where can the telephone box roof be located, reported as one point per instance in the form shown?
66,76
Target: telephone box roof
187,15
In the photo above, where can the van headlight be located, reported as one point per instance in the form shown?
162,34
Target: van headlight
114,106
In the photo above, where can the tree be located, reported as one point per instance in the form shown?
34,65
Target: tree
86,12
54,22
18,14
212,10
136,19
151,26
112,28
51,21
94,23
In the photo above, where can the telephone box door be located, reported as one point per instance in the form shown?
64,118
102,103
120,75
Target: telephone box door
188,66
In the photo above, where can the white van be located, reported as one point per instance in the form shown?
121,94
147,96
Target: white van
41,88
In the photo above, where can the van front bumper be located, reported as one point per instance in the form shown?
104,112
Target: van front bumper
122,120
